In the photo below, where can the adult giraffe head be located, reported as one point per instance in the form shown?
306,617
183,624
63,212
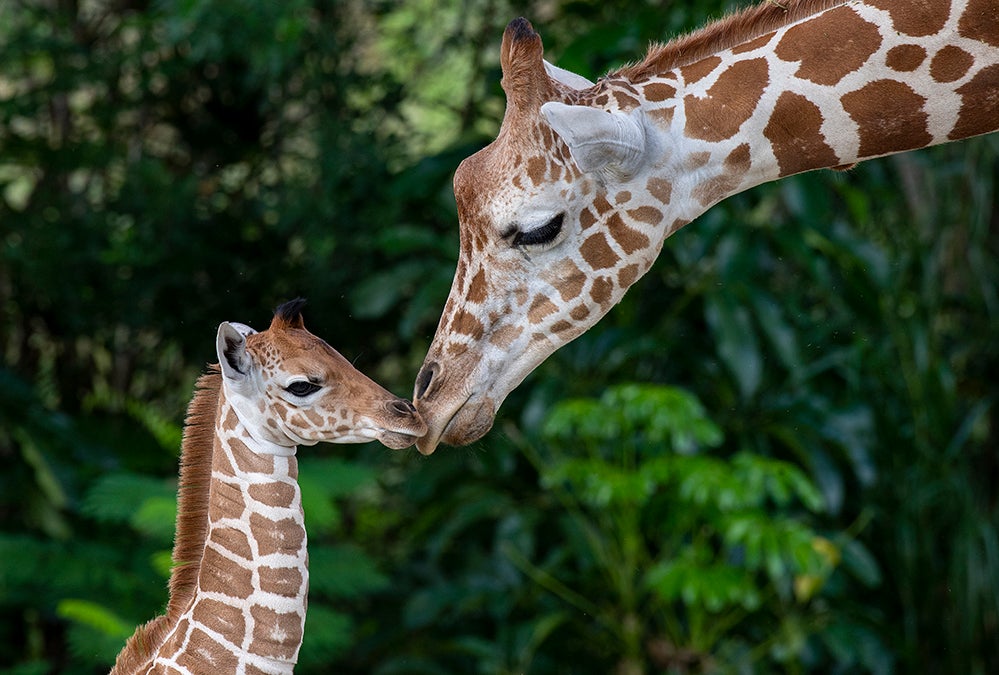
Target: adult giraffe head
571,203
544,251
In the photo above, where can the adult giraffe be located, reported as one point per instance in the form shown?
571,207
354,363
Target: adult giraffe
240,578
571,203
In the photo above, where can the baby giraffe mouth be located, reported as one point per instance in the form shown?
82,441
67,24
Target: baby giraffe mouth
406,426
397,440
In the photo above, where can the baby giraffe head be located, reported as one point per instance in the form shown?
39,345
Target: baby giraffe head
290,388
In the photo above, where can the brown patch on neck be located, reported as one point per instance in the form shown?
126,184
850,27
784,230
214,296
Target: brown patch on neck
192,523
727,33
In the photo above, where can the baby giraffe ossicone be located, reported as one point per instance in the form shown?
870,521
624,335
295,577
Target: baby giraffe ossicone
239,585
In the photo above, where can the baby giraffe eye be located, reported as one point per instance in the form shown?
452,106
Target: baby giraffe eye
302,388
540,235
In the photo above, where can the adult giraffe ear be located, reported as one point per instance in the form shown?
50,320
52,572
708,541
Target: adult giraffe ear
230,346
567,77
525,79
601,141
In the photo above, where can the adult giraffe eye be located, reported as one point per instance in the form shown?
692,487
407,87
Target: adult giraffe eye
540,235
302,388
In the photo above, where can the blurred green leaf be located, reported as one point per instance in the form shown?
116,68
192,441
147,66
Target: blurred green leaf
738,347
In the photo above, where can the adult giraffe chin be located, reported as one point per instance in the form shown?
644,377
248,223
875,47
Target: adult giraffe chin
571,203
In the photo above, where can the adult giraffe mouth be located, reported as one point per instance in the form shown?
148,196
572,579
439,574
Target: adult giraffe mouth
467,422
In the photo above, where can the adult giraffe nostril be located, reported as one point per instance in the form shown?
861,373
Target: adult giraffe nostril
402,407
425,379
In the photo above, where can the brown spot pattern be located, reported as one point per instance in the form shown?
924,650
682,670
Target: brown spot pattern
466,324
658,91
794,132
980,21
696,160
663,116
829,46
890,116
248,461
477,290
601,204
276,536
220,617
736,165
601,290
627,276
950,63
540,308
275,634
753,44
625,102
646,214
586,218
571,282
231,540
739,159
504,336
661,189
629,239
700,69
225,502
286,581
274,494
730,101
579,312
905,58
915,17
717,188
979,105
220,575
536,169
597,253
204,655
231,421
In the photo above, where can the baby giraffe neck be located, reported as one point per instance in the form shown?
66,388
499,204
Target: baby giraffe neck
248,611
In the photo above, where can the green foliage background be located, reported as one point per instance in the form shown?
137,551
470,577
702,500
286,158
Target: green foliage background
779,453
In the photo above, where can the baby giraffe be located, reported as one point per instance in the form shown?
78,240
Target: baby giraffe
240,578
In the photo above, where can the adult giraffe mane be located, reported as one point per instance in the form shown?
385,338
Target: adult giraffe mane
192,520
726,33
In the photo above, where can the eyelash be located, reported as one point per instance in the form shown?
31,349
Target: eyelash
541,235
301,388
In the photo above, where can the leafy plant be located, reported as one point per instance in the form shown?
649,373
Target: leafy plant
700,557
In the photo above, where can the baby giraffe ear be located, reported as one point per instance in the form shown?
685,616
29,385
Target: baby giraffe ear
230,345
600,141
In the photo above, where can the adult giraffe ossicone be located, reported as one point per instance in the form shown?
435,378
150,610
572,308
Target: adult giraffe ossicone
239,585
571,203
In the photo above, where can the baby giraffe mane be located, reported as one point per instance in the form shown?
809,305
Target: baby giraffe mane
192,521
717,36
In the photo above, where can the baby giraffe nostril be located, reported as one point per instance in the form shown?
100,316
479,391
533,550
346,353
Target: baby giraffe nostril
403,407
424,379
